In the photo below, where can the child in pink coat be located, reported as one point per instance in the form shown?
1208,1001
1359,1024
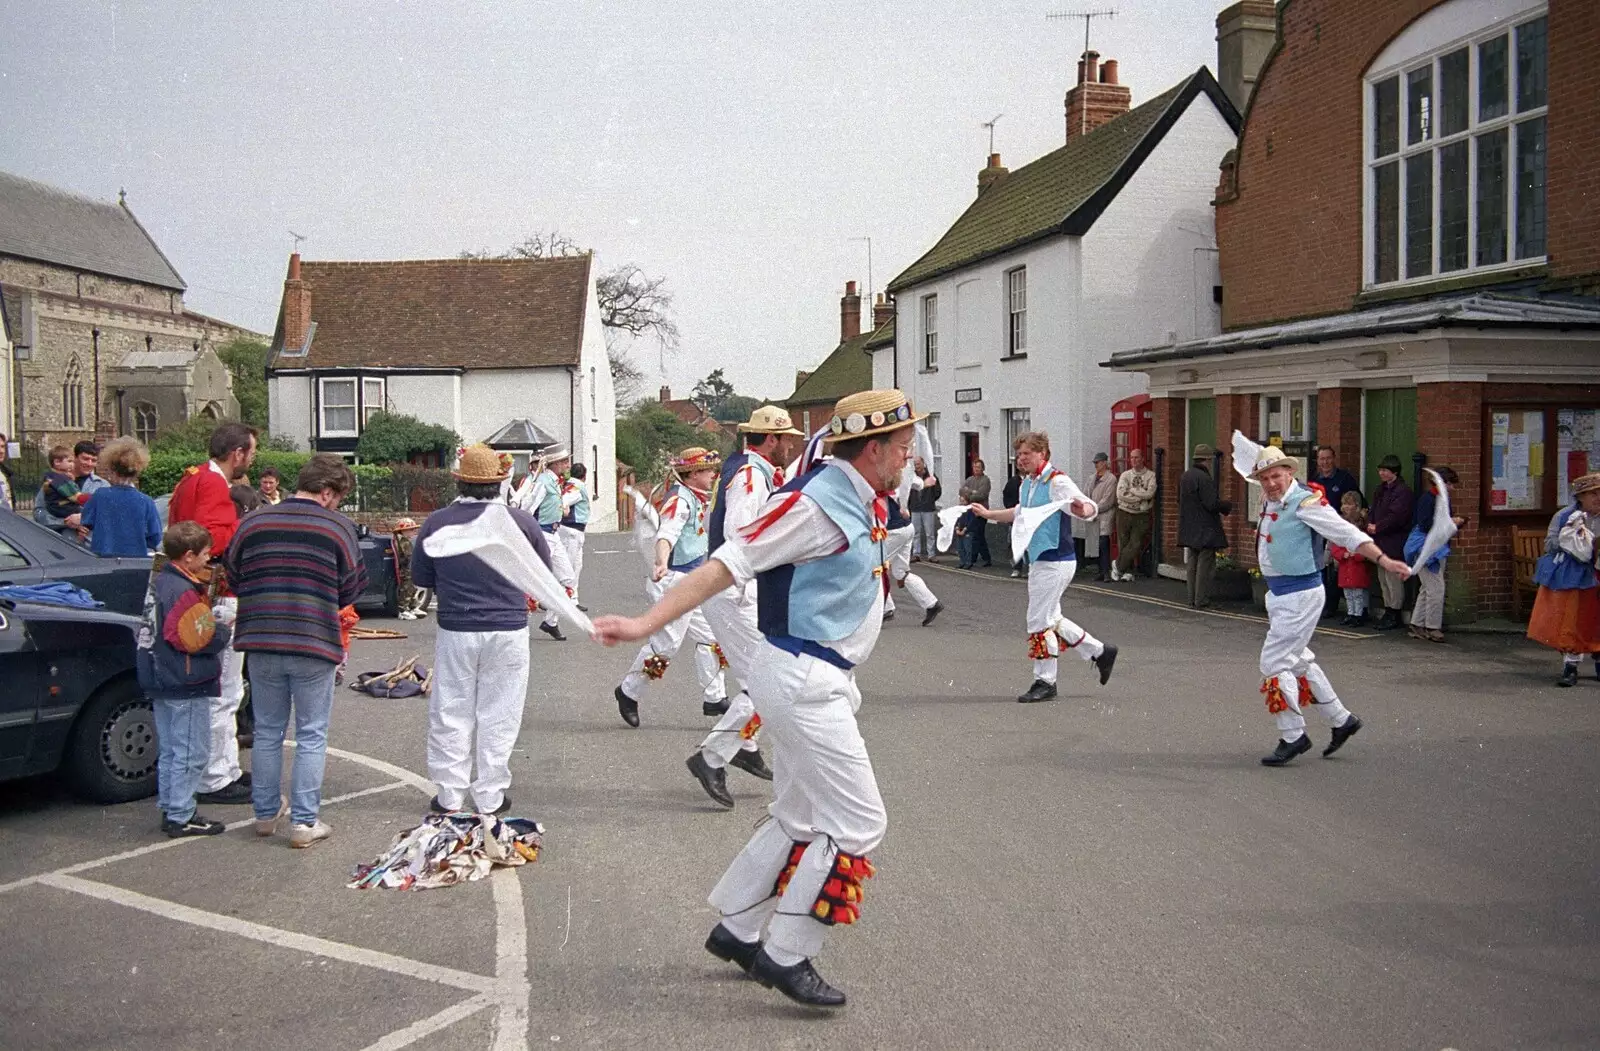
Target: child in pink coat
1355,572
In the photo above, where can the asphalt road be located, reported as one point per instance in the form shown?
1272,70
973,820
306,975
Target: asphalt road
1112,870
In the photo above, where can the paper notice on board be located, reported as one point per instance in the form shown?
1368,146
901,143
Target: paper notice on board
1500,424
1536,460
1516,456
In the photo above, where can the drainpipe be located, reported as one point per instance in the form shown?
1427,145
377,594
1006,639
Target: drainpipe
97,381
573,408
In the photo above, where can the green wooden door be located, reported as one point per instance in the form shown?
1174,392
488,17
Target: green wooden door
1202,426
1391,428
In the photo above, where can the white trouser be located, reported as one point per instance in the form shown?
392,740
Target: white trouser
1291,620
666,643
480,682
824,794
897,552
572,541
561,567
1047,582
222,765
732,616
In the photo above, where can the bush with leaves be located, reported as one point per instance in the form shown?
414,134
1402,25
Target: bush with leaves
246,360
392,437
647,433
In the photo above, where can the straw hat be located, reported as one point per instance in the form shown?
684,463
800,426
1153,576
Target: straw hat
1586,483
403,525
1271,456
695,458
769,419
555,453
871,412
481,465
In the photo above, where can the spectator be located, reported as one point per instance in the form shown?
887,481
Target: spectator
245,498
85,457
179,669
294,567
1136,495
1200,531
1095,536
204,495
1335,482
270,482
122,521
924,507
8,494
1010,497
1389,523
975,489
1427,617
60,502
1566,612
1355,572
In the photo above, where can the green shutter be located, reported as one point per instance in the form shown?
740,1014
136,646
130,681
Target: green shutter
1391,428
1202,426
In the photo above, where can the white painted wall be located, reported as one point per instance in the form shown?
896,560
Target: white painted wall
432,399
883,368
1135,277
595,410
492,398
289,409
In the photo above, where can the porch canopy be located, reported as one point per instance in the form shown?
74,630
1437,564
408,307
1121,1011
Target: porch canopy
521,436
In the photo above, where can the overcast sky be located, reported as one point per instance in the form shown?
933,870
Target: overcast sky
734,148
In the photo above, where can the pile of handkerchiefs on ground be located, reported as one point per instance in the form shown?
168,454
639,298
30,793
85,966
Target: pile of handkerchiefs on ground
447,849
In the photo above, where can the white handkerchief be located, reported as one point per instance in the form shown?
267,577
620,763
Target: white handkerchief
1246,453
947,525
497,542
1441,529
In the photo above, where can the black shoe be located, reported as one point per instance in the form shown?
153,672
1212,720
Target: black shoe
988,565
581,607
438,807
236,791
195,826
1105,662
554,631
888,615
718,709
1341,734
714,781
933,611
1039,691
1569,675
752,763
627,707
722,944
1286,751
1389,621
800,983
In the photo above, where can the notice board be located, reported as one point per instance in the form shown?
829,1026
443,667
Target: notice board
1577,448
1516,459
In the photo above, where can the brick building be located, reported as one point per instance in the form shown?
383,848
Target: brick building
102,342
1410,259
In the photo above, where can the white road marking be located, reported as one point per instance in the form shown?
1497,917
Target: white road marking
382,961
426,1027
510,962
399,773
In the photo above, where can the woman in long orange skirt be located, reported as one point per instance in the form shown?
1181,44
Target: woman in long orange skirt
1566,614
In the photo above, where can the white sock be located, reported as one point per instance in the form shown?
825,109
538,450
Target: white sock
746,926
1082,643
783,957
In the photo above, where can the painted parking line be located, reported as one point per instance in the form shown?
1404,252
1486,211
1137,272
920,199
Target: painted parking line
1182,607
426,1027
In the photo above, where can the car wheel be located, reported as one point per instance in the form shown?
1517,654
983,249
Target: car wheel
111,757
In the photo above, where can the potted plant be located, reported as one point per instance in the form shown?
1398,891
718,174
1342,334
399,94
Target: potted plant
1230,581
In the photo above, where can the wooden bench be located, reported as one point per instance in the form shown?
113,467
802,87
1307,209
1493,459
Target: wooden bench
1526,547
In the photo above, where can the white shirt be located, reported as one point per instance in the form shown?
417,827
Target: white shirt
744,496
572,493
803,534
675,517
1320,516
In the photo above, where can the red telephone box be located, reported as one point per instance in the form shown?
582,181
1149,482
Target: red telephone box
1132,427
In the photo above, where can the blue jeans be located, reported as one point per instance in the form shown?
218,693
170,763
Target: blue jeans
183,742
280,682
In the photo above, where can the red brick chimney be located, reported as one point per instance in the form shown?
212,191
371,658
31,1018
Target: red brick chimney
296,307
666,394
849,312
991,173
1097,98
882,312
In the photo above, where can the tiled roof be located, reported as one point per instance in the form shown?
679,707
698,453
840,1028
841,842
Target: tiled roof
1064,191
847,370
443,313
521,434
50,225
882,337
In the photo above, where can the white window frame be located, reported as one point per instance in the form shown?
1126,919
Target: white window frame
1401,68
1308,416
370,403
594,385
354,430
1017,312
931,424
1018,423
72,396
930,333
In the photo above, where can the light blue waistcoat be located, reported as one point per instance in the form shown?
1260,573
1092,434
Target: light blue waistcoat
1049,543
828,598
578,513
690,550
1293,549
549,508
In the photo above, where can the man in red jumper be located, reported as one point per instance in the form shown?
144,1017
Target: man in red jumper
205,495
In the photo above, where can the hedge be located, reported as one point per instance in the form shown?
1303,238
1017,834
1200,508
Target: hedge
165,469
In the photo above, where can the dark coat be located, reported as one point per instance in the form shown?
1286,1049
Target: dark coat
1200,512
1392,514
1011,495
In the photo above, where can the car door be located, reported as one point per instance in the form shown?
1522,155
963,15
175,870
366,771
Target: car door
21,670
32,554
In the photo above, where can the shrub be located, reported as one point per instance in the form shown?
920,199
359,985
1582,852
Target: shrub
390,437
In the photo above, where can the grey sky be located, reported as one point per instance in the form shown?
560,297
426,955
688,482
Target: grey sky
734,148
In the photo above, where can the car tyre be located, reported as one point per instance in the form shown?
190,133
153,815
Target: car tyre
111,755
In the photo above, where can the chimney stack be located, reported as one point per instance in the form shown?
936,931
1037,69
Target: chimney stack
1098,98
296,307
991,174
882,312
849,312
666,394
1246,33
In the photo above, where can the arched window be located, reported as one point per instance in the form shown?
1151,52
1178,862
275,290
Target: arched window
145,421
211,411
594,383
72,396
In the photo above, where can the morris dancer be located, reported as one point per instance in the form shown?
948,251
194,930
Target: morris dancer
1566,612
1052,563
898,547
545,501
748,480
816,554
680,548
575,520
1291,518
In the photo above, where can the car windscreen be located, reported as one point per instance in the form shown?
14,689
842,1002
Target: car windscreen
41,543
